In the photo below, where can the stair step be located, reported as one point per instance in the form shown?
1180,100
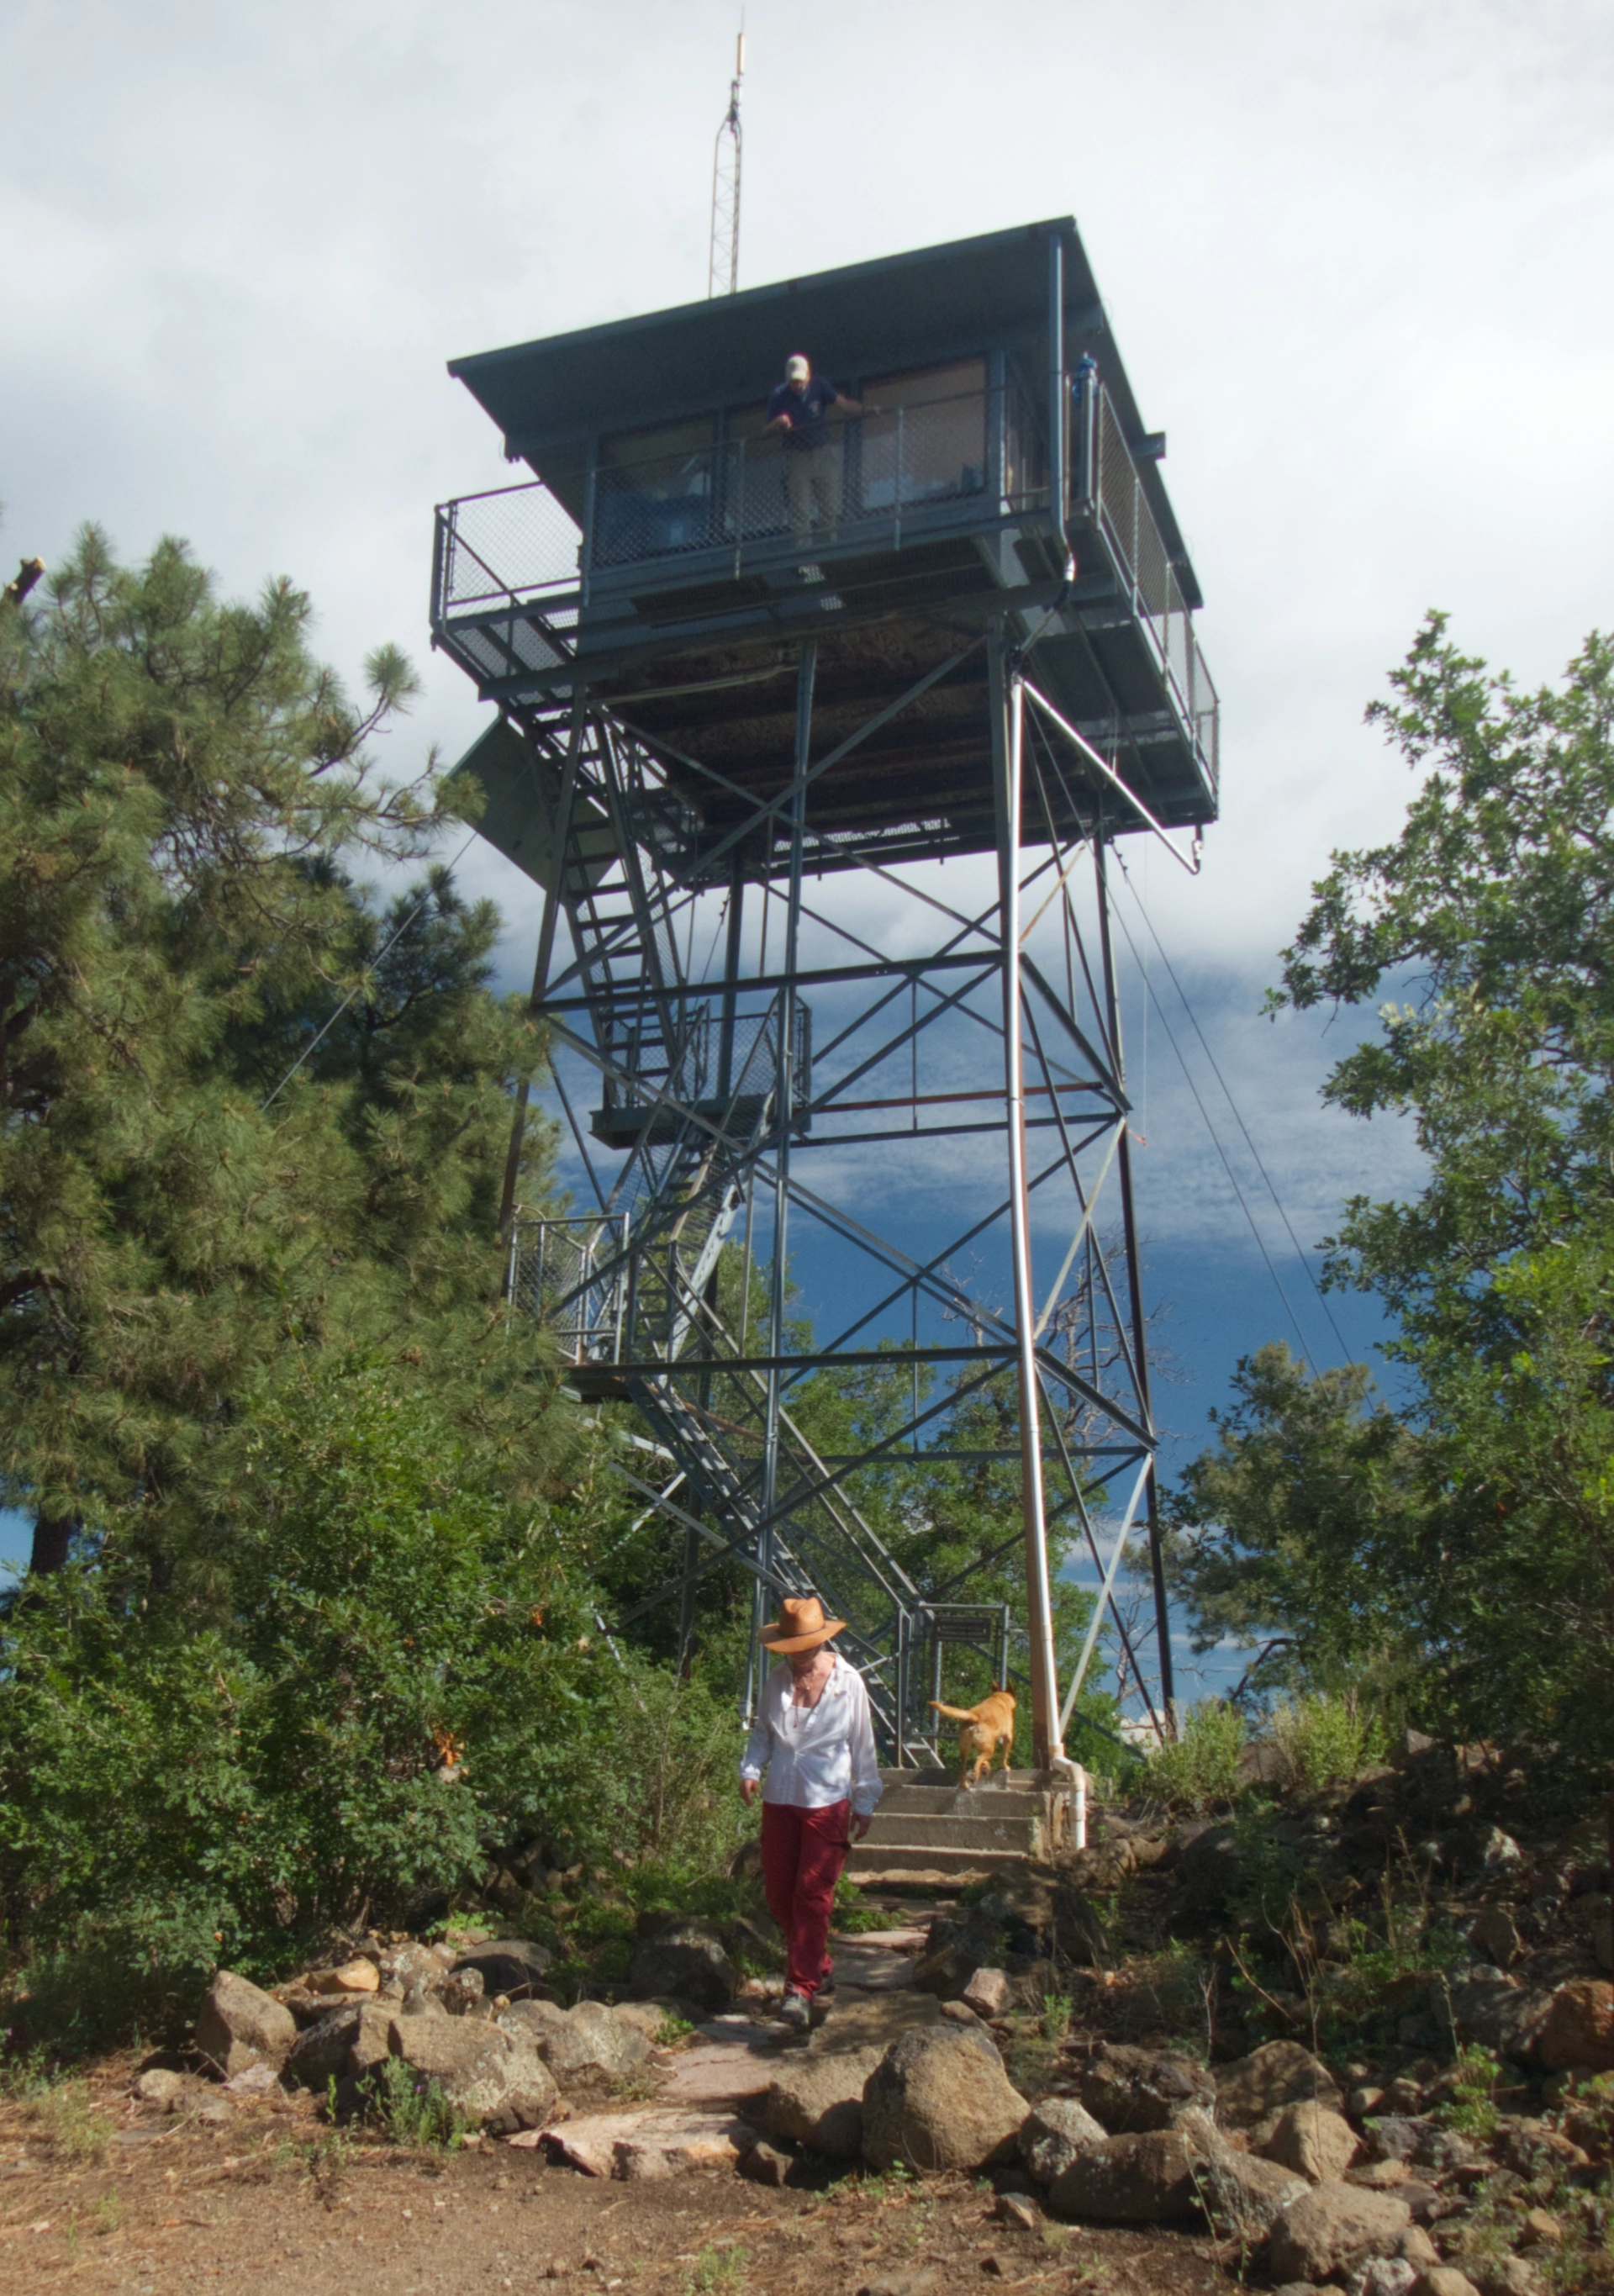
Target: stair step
871,1857
952,1801
1017,1834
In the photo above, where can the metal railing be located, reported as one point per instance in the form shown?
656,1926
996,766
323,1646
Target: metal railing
511,545
726,1069
1122,507
571,1274
881,474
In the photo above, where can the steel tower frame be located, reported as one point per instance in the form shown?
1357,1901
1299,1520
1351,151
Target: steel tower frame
834,986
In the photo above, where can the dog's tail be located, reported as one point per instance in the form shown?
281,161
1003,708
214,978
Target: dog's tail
955,1713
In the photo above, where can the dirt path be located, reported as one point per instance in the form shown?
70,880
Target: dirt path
100,2191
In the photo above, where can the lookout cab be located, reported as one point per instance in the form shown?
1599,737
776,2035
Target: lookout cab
1000,463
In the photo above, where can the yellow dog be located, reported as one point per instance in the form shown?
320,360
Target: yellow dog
984,1730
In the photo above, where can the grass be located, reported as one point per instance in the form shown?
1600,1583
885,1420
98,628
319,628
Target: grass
719,2269
1200,1769
64,2115
413,2112
671,2030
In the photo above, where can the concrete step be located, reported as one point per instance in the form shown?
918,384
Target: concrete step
1016,1781
944,1832
946,1867
952,1800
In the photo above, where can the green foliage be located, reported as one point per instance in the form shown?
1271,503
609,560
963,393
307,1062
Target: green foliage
1469,1539
183,795
1325,1740
413,2110
1199,1769
719,2269
1470,2103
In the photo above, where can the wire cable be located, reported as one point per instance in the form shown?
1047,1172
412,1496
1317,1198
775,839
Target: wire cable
315,1043
1232,1180
1237,1116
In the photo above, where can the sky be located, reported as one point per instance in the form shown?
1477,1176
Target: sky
1357,259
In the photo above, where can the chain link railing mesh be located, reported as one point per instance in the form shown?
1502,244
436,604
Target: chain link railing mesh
506,544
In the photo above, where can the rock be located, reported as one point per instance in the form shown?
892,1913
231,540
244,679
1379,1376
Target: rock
1015,2208
160,2085
646,2017
258,2080
1495,1936
1056,2131
1380,2175
1578,2028
490,2075
508,1965
765,2166
1269,2079
1241,2191
1262,1762
1497,2012
347,2040
939,2098
1383,2275
947,1971
1496,1851
1129,2090
239,2026
1603,1936
351,1977
689,1960
1393,2137
1541,2226
1361,2101
1318,2145
959,2013
1146,2178
1503,2276
1334,2228
1417,2249
1444,2280
988,1993
462,1991
589,2038
817,2101
407,1965
639,2146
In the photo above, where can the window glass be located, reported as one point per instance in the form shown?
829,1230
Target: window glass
673,458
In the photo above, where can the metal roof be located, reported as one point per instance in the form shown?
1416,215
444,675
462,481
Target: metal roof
915,309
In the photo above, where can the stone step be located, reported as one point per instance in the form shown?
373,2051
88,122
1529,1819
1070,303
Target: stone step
871,1859
1025,1781
944,1832
956,1801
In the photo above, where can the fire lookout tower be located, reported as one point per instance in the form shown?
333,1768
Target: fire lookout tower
743,724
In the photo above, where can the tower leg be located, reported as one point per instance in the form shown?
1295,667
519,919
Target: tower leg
1007,718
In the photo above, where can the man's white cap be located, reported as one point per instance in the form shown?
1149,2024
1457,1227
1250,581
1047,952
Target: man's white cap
797,370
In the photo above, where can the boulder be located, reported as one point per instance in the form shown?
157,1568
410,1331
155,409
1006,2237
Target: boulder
1384,2276
817,2102
1499,2013
1495,1936
1578,2028
407,1965
1129,2090
492,2077
1503,2276
989,1992
1239,2191
239,2026
939,2098
508,1965
646,2017
461,1993
349,1977
1444,2280
160,2085
1146,2178
1281,2073
589,2038
765,2164
655,2143
946,1971
1315,2142
690,1960
1334,2228
347,2040
1056,2131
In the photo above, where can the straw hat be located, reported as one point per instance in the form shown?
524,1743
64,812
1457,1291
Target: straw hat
802,1626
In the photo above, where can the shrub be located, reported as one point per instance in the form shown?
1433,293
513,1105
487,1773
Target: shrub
1325,1739
1201,1768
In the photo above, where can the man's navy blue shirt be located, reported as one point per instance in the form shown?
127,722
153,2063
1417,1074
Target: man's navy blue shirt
808,428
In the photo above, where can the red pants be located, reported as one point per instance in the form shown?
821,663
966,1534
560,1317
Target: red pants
803,1851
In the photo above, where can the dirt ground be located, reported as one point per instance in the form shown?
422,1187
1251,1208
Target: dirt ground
103,2192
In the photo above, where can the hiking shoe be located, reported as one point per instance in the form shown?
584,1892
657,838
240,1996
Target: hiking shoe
796,2011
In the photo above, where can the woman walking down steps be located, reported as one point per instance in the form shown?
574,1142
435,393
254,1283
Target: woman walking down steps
814,1737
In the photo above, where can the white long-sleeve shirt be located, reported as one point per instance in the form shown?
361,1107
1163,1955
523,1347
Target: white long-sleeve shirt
814,1755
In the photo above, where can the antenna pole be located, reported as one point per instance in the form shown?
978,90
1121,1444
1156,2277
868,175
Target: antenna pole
722,268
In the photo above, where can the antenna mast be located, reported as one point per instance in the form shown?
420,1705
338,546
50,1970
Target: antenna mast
723,275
